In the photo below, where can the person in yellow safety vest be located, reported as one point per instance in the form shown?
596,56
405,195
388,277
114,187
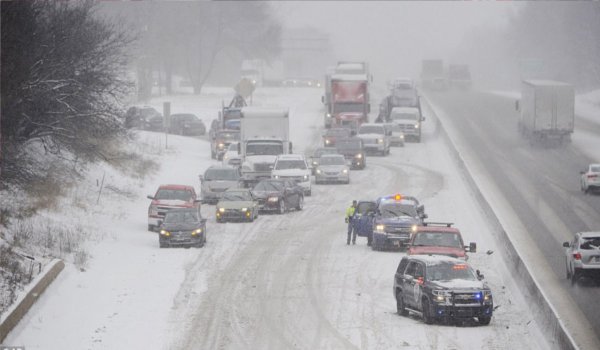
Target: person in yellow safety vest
349,217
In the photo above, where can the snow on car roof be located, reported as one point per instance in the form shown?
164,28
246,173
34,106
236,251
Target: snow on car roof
545,83
290,157
175,187
437,259
412,110
349,77
590,234
253,112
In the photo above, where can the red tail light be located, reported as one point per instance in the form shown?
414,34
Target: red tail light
577,256
593,176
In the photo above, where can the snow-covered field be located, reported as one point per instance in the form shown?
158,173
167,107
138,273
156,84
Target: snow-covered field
282,282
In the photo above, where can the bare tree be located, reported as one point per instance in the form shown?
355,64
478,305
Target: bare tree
62,82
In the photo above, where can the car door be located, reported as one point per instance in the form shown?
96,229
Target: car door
408,284
363,218
292,195
418,281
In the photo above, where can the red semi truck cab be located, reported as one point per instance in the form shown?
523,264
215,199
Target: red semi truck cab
350,97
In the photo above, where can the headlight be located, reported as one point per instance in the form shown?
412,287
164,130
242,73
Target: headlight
306,177
318,171
221,210
197,232
414,228
345,171
487,295
402,136
315,163
328,115
440,295
221,145
244,209
276,176
273,199
165,233
379,140
416,126
380,228
254,82
225,157
359,156
327,141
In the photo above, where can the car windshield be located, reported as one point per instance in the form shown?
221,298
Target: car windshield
332,161
352,144
590,243
397,209
595,169
437,239
184,117
290,164
371,129
338,132
264,148
403,115
228,135
268,186
183,195
321,151
233,146
236,196
221,174
447,271
176,216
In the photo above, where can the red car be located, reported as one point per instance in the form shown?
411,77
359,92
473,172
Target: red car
439,239
168,197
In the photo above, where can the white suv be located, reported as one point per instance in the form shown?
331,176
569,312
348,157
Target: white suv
293,167
590,179
376,138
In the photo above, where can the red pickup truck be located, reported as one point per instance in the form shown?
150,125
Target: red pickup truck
168,197
433,238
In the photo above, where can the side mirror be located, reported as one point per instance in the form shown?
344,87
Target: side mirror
517,105
201,178
150,197
424,216
479,275
582,172
567,244
421,208
422,118
198,201
472,247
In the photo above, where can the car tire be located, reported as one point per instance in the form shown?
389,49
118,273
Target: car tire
427,317
282,208
309,193
300,203
213,155
484,320
567,270
162,245
151,228
400,305
574,277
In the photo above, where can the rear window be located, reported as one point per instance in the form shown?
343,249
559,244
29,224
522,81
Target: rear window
437,239
290,164
590,243
595,168
371,129
222,174
166,194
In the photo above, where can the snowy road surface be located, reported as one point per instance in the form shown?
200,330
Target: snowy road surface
285,281
540,183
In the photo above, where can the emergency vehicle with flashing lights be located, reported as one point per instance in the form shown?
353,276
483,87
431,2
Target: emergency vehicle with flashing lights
439,238
440,288
388,221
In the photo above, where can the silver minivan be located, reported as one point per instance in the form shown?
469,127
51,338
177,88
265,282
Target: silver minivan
216,180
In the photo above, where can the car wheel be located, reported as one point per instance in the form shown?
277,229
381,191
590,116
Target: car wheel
213,155
150,227
567,269
400,304
574,276
300,203
484,320
427,317
162,245
281,206
309,193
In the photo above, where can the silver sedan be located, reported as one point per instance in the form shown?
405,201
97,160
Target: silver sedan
332,168
583,256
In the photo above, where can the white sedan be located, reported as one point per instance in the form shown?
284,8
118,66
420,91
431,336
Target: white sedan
590,179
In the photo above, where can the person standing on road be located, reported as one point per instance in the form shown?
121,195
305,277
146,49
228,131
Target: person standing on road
349,217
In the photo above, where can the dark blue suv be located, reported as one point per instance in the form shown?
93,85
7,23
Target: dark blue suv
388,222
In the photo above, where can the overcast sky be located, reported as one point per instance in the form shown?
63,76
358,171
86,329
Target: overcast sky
394,36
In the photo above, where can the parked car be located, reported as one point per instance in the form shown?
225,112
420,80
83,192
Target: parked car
169,197
440,288
186,124
144,118
293,167
216,180
182,227
237,205
590,179
583,256
332,168
278,195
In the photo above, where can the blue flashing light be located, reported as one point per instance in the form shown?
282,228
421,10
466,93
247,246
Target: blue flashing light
477,296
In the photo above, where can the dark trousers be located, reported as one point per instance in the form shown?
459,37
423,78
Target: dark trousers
350,232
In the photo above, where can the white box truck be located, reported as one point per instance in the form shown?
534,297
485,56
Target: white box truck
264,134
547,110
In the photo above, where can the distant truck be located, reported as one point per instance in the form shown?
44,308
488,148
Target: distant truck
403,93
264,134
433,75
547,110
349,99
459,76
346,71
263,73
